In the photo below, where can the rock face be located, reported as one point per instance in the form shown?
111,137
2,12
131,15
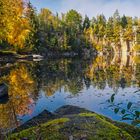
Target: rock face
74,123
3,90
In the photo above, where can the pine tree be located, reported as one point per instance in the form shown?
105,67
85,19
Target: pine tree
86,23
33,38
124,21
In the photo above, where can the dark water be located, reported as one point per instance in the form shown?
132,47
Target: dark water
106,85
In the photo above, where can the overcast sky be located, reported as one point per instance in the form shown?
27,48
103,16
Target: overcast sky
91,7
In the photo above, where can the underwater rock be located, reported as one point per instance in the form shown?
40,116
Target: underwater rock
3,90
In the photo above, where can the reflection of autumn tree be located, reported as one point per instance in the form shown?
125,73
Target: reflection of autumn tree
21,87
52,87
128,72
113,76
7,117
72,75
97,72
102,72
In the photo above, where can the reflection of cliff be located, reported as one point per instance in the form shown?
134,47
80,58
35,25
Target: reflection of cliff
118,72
74,75
123,59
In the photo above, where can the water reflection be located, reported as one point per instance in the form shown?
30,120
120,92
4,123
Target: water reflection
49,84
21,89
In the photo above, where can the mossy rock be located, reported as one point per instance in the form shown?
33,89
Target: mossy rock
83,126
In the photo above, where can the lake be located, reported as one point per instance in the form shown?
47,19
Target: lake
108,85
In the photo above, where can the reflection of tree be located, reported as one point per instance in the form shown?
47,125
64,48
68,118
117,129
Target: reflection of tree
21,87
73,75
102,72
75,86
7,117
61,73
24,80
52,87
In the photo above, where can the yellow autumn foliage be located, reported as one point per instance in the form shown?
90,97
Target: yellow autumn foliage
14,26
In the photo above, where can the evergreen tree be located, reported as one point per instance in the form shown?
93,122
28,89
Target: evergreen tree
86,23
33,38
116,16
101,21
74,21
124,21
109,29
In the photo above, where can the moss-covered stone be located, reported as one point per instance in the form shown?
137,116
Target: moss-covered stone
88,126
46,131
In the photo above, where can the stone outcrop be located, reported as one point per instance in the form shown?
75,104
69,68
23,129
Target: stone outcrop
74,123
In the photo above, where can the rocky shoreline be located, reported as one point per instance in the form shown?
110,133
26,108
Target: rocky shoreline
74,123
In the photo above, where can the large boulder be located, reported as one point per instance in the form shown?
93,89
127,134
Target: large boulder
75,125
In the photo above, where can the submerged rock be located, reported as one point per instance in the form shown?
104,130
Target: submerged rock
4,99
3,90
78,125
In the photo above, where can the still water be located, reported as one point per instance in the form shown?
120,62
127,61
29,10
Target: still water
106,85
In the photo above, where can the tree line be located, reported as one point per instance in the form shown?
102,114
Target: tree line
24,30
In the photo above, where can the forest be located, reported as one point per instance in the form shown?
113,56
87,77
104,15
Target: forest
24,30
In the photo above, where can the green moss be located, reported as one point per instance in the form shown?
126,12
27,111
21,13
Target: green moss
56,121
89,126
105,129
88,115
133,131
44,131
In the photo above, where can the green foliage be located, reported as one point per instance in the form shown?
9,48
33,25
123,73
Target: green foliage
124,21
109,29
101,22
74,21
128,113
62,33
128,32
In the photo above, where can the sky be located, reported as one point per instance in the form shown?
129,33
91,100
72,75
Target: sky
91,7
